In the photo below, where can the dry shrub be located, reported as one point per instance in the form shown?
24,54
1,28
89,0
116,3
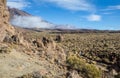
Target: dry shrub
88,70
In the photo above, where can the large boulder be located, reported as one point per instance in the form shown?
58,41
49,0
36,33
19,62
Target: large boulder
59,38
54,52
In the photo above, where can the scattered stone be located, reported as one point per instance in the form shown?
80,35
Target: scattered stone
7,39
49,43
32,75
38,43
73,74
59,38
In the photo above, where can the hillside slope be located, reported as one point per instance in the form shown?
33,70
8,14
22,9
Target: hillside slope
20,56
5,27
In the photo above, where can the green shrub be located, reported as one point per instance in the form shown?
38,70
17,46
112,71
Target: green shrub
91,71
88,70
75,62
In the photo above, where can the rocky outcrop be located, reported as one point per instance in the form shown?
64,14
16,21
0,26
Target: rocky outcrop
38,43
5,27
15,39
47,48
59,38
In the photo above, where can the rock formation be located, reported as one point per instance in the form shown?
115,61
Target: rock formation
5,27
59,38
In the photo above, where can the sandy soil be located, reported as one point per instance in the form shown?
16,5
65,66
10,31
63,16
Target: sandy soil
16,64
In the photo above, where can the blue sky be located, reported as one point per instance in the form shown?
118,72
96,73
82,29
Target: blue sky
89,14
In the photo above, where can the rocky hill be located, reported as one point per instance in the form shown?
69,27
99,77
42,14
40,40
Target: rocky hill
5,27
28,57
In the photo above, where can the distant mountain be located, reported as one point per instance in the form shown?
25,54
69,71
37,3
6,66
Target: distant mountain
14,11
22,19
26,20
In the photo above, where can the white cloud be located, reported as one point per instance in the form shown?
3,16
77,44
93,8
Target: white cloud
36,22
76,5
116,7
93,17
19,4
30,22
107,13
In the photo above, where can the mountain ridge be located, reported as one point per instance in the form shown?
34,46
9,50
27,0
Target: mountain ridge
53,27
16,13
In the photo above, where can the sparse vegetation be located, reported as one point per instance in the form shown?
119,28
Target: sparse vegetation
88,70
31,75
88,50
100,47
5,49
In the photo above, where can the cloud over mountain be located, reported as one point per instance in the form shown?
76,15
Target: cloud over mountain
30,22
23,19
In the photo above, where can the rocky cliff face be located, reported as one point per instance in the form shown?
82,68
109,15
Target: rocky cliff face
5,27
